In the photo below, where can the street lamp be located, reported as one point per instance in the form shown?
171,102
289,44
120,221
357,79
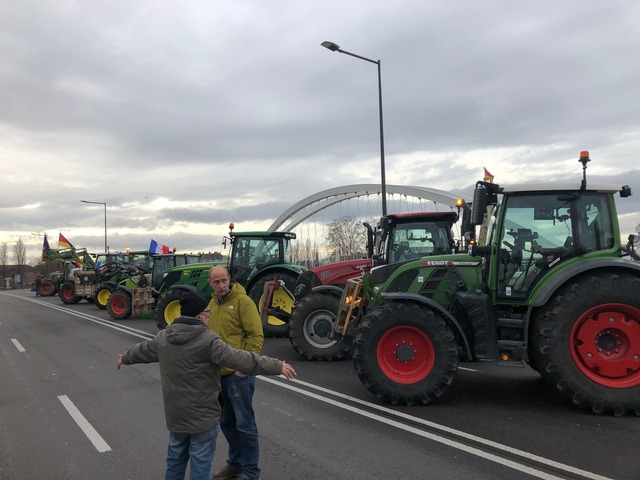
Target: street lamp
105,221
383,183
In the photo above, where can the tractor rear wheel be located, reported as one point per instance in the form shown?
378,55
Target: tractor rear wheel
168,308
119,305
47,288
101,297
587,343
311,326
405,353
67,293
274,327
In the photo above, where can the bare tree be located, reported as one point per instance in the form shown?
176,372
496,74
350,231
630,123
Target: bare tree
346,238
4,257
20,255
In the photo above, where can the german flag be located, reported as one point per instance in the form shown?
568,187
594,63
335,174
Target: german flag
64,243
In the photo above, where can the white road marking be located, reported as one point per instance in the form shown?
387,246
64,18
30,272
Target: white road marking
436,438
84,425
18,346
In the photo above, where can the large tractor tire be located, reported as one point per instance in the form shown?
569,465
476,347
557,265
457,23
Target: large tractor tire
102,295
311,325
587,343
274,327
168,308
67,293
119,305
405,353
48,288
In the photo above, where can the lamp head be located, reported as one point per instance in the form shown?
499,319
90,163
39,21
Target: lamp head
331,46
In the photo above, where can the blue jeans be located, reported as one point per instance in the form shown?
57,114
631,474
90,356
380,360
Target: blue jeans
238,423
198,448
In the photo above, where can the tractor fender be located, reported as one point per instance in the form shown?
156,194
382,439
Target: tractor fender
273,270
332,289
557,280
450,319
124,288
183,288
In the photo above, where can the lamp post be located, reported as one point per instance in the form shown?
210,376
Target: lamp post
383,183
105,220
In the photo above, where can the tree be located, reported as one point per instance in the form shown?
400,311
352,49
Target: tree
346,238
20,255
4,257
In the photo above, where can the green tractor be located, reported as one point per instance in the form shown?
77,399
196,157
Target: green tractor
255,259
548,284
121,302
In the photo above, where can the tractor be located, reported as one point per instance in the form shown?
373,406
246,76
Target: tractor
398,238
122,301
548,284
255,259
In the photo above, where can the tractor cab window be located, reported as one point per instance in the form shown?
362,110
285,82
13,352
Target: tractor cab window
415,239
540,230
252,254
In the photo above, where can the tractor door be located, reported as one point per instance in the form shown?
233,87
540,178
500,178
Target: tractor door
540,230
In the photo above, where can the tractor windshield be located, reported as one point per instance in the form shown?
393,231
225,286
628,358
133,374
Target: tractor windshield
541,229
418,239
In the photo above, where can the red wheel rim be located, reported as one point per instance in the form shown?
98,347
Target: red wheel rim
605,344
118,305
405,354
46,289
68,293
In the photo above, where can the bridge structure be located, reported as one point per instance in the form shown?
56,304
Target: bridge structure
310,217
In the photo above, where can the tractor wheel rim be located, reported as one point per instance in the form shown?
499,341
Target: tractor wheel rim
405,354
118,306
172,311
103,296
318,327
605,345
280,300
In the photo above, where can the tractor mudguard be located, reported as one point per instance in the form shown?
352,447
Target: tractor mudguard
413,297
542,295
332,289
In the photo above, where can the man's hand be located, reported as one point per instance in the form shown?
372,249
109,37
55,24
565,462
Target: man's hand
288,371
119,361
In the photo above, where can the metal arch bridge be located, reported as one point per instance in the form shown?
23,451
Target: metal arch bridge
324,199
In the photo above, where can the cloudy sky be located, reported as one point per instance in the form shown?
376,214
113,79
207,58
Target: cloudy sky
185,116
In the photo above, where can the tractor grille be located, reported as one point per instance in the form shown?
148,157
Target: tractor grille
403,282
437,282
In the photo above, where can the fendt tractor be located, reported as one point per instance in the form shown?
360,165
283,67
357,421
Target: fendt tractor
548,284
255,258
396,239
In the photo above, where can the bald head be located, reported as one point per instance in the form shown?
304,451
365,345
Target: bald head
219,281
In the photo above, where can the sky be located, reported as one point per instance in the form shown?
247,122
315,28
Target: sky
185,116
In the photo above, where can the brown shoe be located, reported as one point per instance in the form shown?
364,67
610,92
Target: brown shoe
227,473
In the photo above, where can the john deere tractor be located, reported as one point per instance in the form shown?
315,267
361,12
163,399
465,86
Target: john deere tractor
255,259
547,284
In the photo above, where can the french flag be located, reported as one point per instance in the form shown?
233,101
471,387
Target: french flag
158,249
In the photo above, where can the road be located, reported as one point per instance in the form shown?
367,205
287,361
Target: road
66,413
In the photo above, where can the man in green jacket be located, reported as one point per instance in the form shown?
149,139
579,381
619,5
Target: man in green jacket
190,357
235,318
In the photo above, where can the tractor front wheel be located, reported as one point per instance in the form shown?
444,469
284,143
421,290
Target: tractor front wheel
67,293
168,308
119,305
311,326
273,326
102,295
405,353
47,288
587,343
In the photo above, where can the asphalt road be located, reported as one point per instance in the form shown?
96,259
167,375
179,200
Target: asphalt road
67,413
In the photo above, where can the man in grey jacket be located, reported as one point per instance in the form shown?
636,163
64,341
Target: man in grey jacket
190,357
